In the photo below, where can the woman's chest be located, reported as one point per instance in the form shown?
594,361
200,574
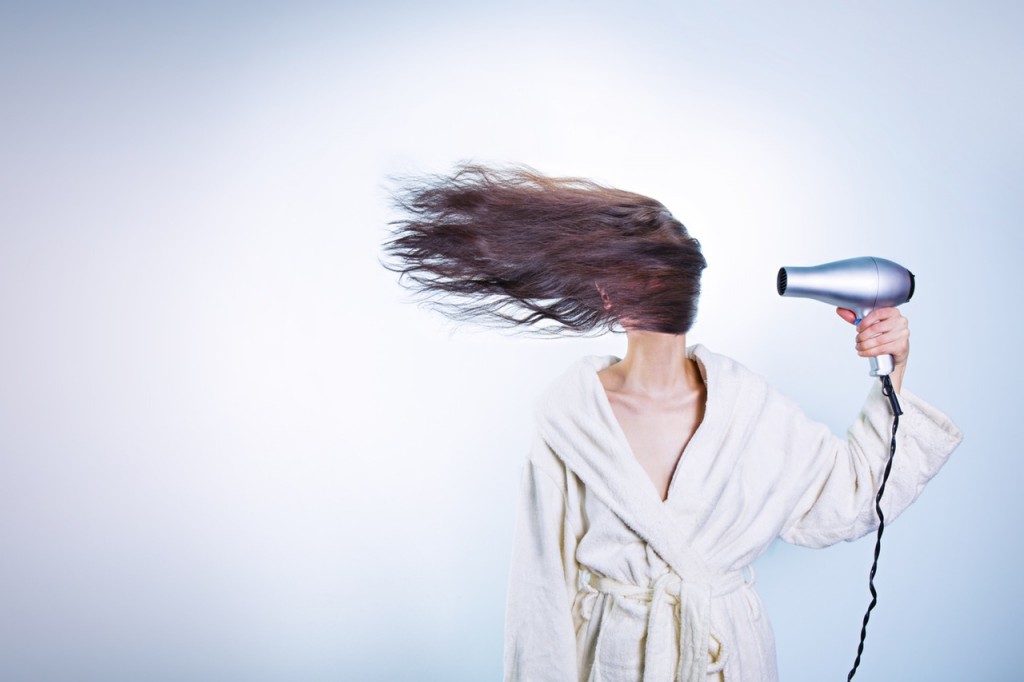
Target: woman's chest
658,436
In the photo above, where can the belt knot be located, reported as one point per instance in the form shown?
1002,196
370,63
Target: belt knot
673,600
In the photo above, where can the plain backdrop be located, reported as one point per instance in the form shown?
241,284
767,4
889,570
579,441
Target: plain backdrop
232,449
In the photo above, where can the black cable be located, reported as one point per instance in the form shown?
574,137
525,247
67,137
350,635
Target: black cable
888,392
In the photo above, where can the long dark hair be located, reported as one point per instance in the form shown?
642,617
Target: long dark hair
548,254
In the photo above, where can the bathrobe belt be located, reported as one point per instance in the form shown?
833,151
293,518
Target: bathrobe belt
700,652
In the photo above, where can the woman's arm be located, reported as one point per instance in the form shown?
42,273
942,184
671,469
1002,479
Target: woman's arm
540,637
841,477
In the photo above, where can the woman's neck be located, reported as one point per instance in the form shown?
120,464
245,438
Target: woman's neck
655,365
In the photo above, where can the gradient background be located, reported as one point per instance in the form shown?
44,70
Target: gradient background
230,450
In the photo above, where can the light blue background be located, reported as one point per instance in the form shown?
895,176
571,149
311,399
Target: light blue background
230,451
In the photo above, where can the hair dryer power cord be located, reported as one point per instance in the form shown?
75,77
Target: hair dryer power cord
888,392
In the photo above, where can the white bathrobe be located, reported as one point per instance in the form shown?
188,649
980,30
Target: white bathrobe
610,583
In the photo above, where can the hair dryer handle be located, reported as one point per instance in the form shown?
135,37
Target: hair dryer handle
882,365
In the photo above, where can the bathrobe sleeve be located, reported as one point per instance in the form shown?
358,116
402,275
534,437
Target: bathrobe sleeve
540,637
839,478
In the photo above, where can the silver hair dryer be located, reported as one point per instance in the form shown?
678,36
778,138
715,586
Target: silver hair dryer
860,284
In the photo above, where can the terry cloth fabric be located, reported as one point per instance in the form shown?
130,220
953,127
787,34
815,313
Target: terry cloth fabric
608,582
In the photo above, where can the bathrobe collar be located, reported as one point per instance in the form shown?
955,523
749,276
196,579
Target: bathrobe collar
576,420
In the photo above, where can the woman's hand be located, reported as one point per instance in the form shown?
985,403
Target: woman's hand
883,332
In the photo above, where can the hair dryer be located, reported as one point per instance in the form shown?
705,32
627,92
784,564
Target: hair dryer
860,284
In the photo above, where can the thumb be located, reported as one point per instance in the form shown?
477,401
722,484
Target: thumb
847,315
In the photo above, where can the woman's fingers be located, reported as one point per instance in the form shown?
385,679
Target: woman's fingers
884,332
847,315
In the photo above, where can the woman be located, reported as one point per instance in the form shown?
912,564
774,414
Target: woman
656,480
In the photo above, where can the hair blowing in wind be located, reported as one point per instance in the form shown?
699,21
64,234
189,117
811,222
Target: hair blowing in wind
509,246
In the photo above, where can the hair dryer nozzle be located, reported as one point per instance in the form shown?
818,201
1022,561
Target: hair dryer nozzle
781,281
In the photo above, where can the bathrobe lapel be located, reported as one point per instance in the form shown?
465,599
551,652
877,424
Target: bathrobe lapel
577,423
